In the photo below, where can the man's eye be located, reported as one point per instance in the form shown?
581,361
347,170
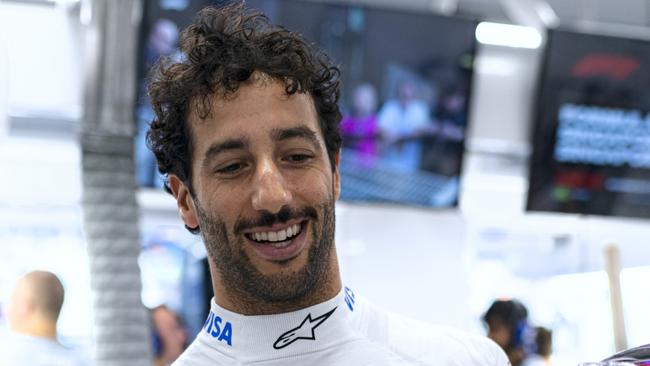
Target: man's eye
230,168
298,158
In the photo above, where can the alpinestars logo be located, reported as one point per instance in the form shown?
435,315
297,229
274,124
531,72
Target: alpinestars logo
304,331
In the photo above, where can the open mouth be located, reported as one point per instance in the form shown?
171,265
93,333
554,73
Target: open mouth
278,238
280,244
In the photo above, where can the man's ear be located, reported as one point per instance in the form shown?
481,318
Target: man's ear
186,209
336,176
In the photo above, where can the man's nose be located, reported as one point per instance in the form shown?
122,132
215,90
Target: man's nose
270,191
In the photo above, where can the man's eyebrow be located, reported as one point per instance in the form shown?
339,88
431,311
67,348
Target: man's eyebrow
227,145
293,132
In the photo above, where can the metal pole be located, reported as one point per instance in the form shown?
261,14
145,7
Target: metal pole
121,325
613,272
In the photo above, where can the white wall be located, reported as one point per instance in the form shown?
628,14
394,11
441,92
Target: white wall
503,93
4,83
43,65
406,259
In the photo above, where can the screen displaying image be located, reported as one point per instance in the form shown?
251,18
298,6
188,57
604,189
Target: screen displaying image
405,89
406,82
591,147
162,23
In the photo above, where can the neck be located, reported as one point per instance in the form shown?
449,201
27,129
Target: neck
238,301
37,327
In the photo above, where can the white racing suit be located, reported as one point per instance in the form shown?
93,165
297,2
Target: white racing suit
346,330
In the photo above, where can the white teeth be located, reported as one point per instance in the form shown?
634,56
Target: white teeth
281,244
282,235
277,236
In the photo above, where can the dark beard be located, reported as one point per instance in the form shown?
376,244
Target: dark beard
243,280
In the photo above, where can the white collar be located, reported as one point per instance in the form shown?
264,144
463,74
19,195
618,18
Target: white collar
250,338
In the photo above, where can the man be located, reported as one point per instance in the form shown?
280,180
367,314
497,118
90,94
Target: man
169,335
404,121
246,132
33,313
507,322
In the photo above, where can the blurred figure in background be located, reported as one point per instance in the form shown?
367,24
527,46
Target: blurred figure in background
543,349
403,122
359,129
169,336
507,322
34,309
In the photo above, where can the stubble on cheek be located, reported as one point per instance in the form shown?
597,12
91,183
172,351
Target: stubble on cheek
241,278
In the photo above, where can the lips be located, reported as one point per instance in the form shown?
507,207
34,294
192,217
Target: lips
280,242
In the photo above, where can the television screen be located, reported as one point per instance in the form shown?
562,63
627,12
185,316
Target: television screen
162,22
591,143
406,82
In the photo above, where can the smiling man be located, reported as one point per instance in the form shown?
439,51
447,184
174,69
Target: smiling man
263,195
246,132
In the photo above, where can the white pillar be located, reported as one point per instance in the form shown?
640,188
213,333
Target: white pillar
121,325
612,259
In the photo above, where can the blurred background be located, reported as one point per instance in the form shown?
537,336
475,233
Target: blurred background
492,149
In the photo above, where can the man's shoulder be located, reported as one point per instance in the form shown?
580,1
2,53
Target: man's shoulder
27,350
428,343
192,356
195,355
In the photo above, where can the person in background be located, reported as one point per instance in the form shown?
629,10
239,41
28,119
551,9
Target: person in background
543,348
359,129
247,134
169,335
507,322
403,122
33,312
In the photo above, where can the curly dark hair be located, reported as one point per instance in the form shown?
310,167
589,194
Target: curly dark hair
221,49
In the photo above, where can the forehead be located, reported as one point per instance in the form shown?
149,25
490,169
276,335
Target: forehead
256,108
21,289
